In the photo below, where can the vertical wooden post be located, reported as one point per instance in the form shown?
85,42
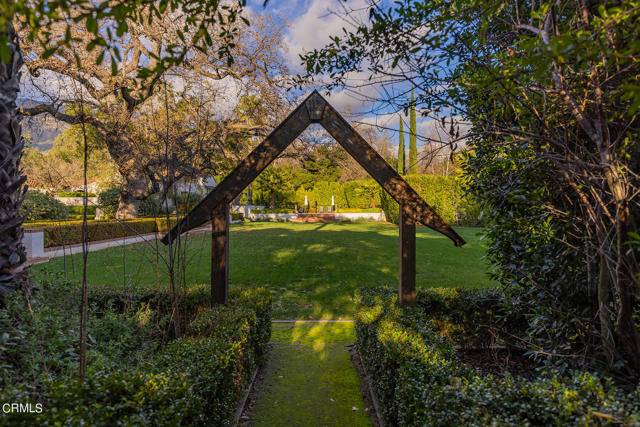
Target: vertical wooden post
220,254
407,270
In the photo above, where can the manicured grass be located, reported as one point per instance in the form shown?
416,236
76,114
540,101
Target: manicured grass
309,379
312,269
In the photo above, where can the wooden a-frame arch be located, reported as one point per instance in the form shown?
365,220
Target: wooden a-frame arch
315,109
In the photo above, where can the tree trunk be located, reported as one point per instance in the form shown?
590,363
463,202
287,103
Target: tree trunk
625,326
12,251
134,189
272,199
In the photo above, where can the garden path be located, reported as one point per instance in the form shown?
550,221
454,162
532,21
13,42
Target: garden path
309,379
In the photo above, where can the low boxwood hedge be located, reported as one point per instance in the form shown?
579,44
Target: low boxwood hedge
59,233
420,381
194,380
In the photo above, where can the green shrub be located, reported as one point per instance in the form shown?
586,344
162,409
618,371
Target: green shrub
38,206
187,201
108,201
237,216
150,207
194,380
73,194
79,210
419,380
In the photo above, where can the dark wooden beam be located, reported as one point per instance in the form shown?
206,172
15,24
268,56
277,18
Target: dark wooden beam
407,268
247,170
384,174
315,109
220,254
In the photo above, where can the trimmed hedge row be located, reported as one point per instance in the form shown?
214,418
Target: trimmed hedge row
70,232
194,380
420,381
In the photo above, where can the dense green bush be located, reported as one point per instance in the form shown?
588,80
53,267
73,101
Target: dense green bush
38,206
108,201
187,201
150,207
194,380
420,381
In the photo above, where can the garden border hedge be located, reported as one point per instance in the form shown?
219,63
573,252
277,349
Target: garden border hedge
195,380
420,381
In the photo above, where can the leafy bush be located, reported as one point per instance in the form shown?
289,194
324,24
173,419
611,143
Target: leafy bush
194,380
38,206
108,201
150,207
420,381
73,194
187,201
79,210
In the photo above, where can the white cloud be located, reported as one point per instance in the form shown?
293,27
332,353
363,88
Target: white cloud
313,29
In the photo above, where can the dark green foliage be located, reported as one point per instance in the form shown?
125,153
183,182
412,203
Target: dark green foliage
535,254
38,206
420,381
132,378
187,201
108,201
149,207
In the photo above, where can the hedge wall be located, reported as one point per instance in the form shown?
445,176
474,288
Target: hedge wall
195,380
70,232
420,381
444,194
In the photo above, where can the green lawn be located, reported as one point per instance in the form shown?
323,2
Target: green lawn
312,269
309,379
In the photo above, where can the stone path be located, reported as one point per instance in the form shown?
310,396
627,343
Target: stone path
309,379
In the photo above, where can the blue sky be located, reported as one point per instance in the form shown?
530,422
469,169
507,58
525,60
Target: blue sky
312,23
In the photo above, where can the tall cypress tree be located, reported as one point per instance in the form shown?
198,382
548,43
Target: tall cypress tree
401,150
413,145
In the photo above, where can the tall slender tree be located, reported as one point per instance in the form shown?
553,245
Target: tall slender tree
413,136
401,150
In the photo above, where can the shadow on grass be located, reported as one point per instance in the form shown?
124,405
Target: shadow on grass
313,270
